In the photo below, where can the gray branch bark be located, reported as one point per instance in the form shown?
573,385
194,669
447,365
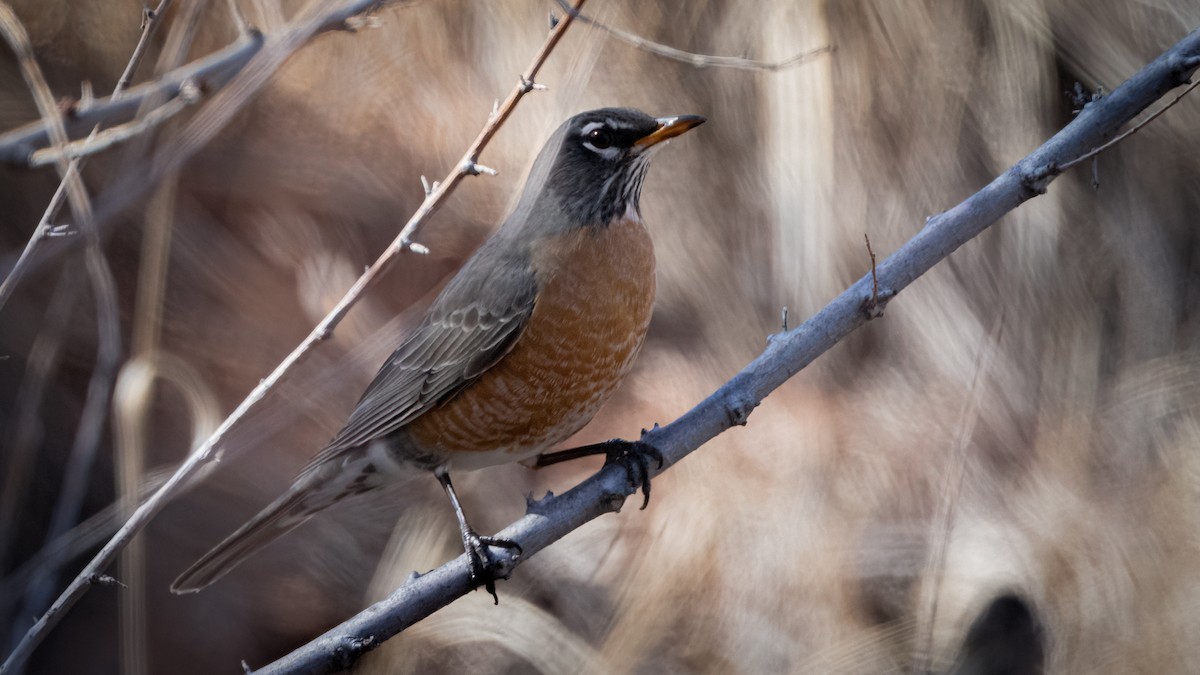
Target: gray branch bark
787,353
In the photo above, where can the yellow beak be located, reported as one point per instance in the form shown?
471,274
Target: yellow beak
669,127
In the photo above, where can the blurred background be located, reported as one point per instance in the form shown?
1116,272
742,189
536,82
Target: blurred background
1012,447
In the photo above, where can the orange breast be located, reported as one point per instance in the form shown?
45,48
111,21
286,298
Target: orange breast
595,297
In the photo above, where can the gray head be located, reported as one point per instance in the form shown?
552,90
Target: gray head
591,169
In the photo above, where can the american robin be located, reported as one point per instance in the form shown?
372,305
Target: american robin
518,352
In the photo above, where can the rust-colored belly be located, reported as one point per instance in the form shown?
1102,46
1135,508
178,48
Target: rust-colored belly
595,297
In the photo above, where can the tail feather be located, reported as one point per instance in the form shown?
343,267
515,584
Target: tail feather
285,514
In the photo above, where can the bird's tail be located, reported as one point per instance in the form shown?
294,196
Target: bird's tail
291,510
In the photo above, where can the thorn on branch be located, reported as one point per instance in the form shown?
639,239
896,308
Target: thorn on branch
87,98
104,580
471,168
419,249
63,230
429,188
785,319
528,85
553,21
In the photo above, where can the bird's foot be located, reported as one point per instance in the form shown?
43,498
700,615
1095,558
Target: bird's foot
635,457
485,567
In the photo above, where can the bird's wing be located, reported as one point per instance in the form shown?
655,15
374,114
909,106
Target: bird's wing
472,325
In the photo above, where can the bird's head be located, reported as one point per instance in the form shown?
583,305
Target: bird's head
593,166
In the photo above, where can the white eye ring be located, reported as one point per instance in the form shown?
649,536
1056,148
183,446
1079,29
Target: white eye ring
599,139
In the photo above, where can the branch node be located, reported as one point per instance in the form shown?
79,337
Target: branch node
351,650
191,91
738,409
1037,180
613,501
1183,66
538,507
1080,96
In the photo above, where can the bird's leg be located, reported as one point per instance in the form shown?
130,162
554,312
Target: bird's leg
633,456
483,567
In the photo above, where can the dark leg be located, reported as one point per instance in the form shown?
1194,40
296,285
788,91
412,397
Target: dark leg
633,456
482,565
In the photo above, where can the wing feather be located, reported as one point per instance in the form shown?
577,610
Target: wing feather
472,325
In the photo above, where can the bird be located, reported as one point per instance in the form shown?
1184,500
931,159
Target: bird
517,352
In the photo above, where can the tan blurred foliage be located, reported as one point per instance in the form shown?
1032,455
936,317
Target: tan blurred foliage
1024,419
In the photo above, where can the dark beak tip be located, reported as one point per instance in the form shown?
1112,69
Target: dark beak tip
685,121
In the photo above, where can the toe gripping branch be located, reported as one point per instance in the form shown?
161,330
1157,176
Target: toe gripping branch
485,568
633,456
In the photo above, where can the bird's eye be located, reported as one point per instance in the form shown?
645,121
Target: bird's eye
600,138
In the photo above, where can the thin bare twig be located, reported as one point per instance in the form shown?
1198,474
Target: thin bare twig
554,517
874,299
691,58
100,141
207,451
213,72
150,22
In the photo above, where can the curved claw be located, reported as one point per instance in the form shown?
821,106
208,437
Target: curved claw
634,457
483,566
